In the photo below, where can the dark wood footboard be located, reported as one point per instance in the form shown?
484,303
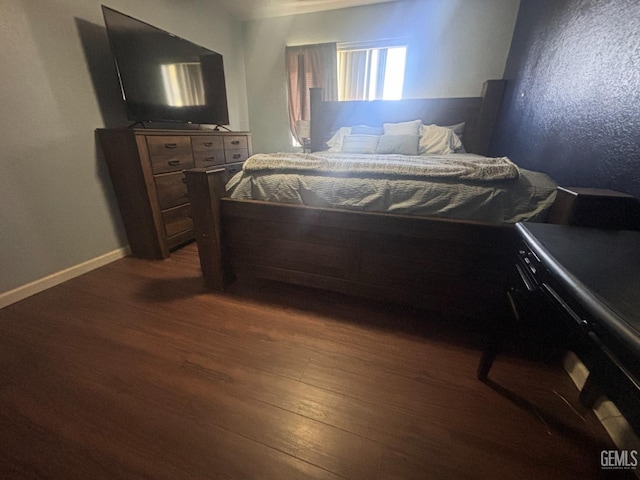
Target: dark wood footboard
447,265
206,189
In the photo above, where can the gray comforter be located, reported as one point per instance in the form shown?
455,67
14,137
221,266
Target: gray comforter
461,186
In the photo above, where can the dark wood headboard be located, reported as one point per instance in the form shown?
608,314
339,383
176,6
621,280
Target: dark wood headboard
478,113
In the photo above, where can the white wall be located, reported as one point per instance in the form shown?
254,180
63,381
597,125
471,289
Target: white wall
453,47
57,207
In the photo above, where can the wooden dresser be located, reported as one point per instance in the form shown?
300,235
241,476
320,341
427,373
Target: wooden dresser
146,171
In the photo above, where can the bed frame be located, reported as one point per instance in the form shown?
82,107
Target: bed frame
456,266
478,113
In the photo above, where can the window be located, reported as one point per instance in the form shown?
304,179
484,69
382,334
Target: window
371,71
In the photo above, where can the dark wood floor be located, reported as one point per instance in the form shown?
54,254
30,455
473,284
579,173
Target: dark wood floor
132,371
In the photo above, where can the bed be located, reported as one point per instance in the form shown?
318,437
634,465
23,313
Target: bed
412,256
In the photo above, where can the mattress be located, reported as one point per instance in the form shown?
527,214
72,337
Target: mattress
523,196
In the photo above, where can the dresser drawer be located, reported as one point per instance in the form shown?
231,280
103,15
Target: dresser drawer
236,155
170,153
213,158
172,190
208,151
235,141
177,220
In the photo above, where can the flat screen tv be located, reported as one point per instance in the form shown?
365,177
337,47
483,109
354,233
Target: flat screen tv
165,78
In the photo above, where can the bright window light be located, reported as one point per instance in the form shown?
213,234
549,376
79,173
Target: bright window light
394,73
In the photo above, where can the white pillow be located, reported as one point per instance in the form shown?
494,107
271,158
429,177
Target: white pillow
335,142
360,144
403,128
436,140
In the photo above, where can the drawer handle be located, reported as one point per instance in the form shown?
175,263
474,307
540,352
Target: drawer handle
235,142
236,156
174,163
233,170
210,159
526,279
208,144
171,145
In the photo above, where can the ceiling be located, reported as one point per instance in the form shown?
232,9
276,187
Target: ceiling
255,9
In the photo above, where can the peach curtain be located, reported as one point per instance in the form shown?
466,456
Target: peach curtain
309,66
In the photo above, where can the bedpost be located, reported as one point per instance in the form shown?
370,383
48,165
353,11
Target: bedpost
492,93
206,188
317,126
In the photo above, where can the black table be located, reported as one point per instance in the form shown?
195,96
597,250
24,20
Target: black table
588,281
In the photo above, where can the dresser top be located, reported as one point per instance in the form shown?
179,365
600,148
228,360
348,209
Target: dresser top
170,131
157,131
600,268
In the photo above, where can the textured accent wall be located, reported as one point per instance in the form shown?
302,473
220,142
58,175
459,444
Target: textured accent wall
572,107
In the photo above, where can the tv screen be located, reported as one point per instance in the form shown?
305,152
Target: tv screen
165,78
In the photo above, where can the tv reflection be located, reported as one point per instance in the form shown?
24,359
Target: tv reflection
183,84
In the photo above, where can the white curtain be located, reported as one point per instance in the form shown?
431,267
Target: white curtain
361,74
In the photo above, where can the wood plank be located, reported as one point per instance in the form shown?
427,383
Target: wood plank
482,234
288,254
261,227
387,253
135,371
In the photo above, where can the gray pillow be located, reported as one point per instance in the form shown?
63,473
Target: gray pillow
458,129
398,144
360,144
366,130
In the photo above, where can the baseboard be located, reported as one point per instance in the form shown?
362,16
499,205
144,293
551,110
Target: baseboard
37,286
608,414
